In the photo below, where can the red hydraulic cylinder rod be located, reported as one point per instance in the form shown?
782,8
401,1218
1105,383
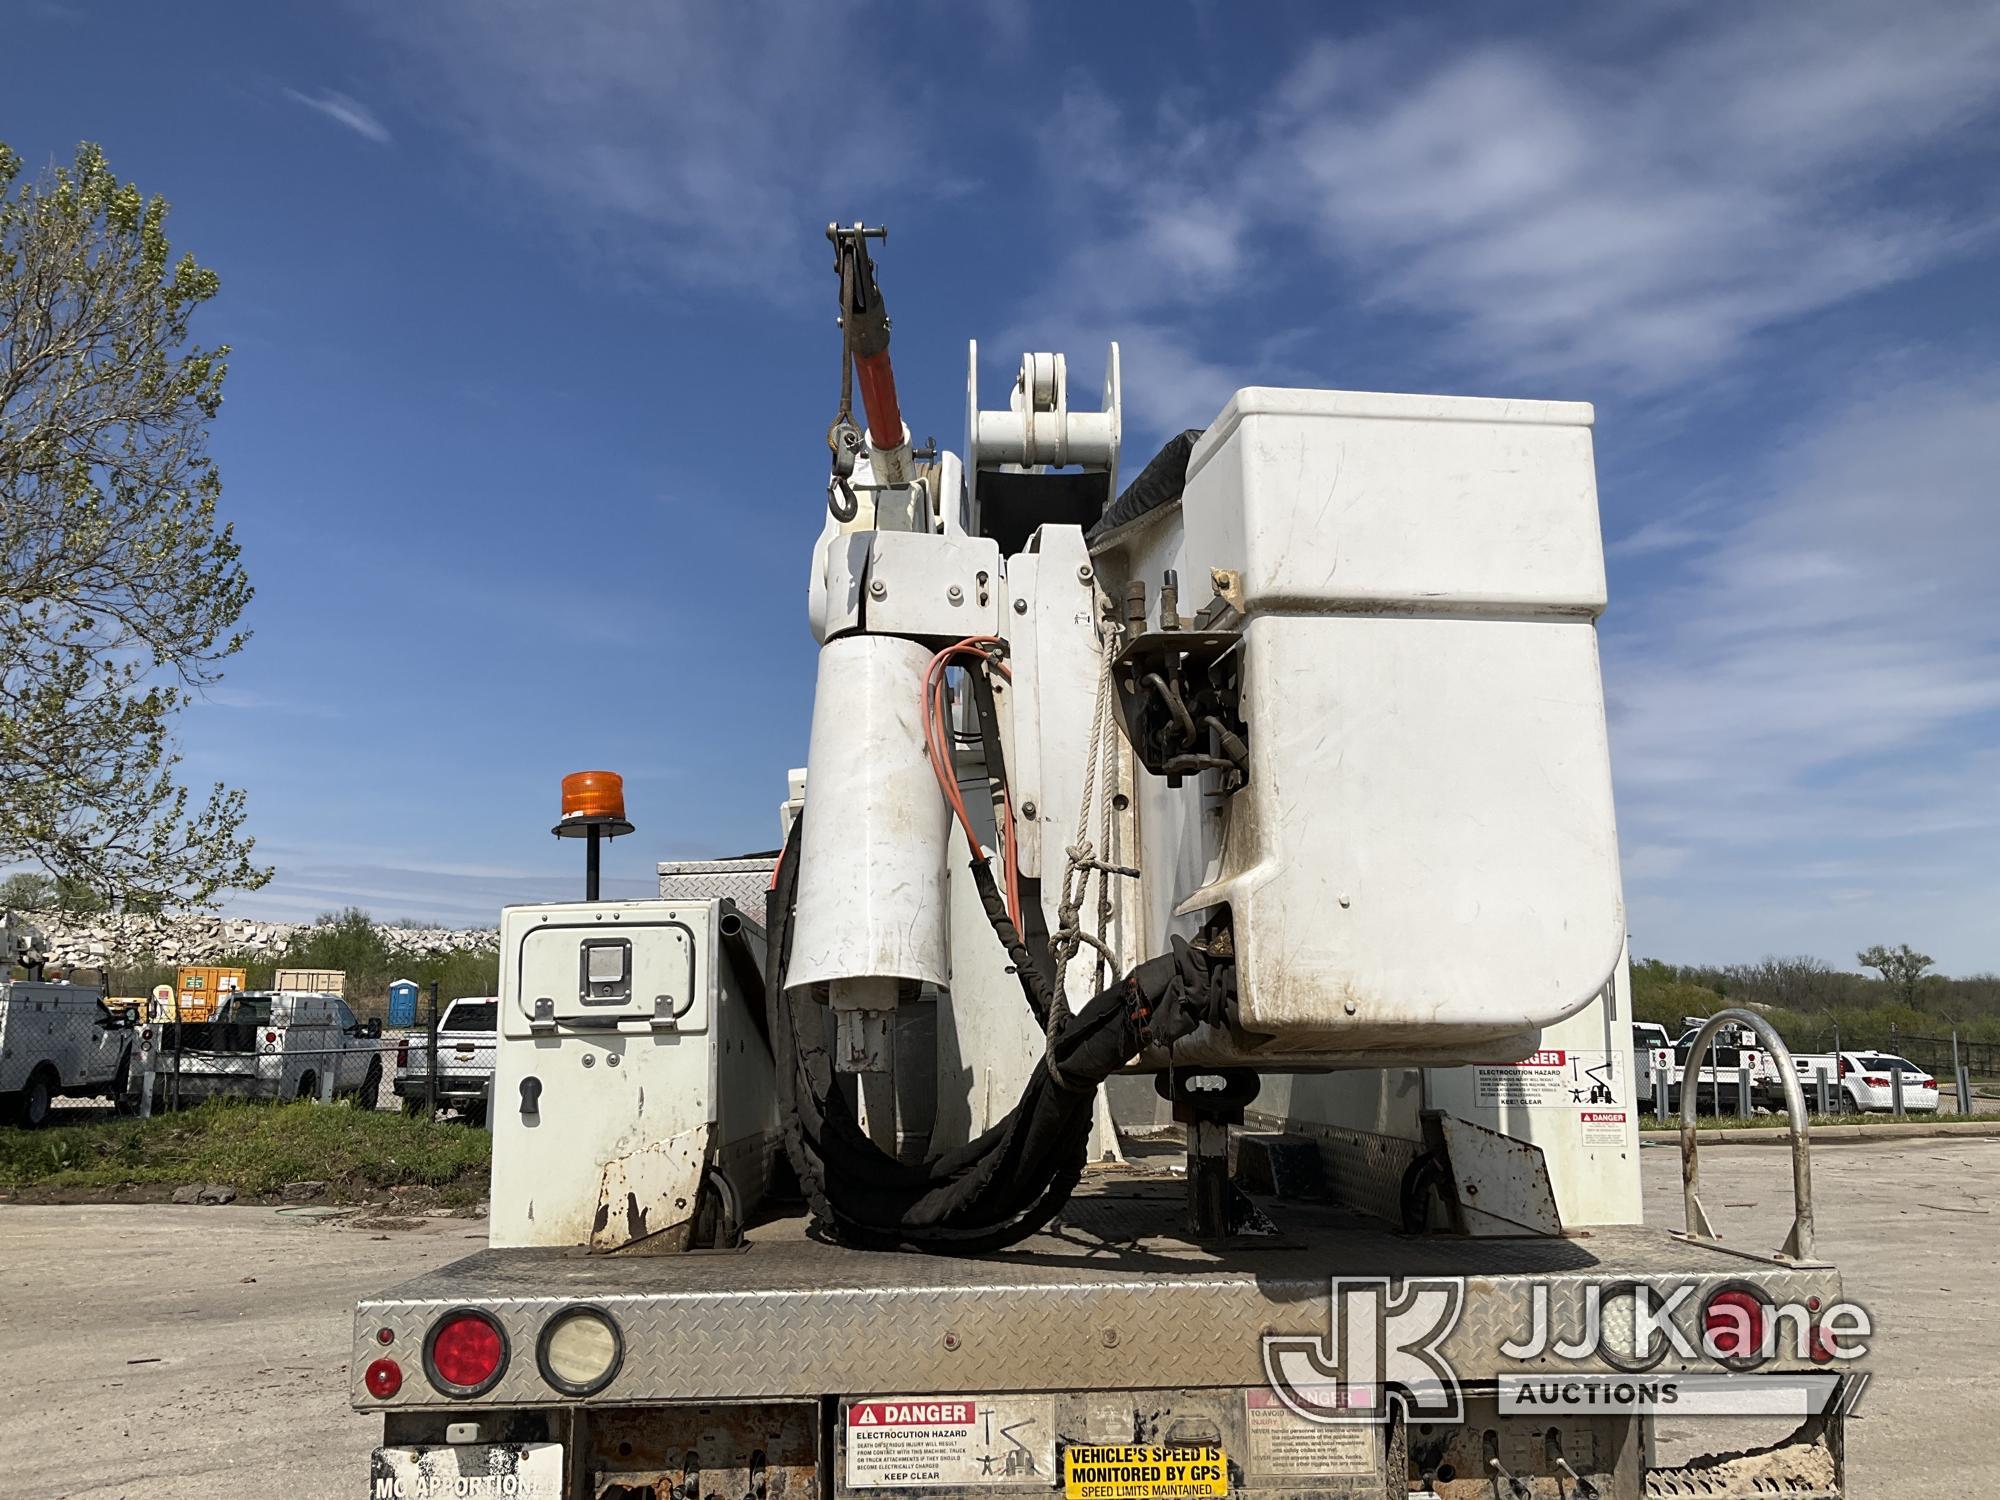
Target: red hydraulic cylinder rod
878,398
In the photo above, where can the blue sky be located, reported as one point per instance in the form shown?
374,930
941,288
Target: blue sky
534,354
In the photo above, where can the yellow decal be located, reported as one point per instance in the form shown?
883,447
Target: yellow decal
1143,1471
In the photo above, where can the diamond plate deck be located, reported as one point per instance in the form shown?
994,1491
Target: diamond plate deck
740,880
1108,1299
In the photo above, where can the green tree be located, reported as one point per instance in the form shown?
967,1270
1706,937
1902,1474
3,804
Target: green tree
77,899
1902,966
27,890
120,590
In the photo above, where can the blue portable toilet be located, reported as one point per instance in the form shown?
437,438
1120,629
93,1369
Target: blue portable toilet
403,1002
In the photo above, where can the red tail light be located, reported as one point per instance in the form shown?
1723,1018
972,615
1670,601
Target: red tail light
384,1378
403,1053
1844,1070
1875,1083
1928,1083
270,1036
465,1353
1732,1325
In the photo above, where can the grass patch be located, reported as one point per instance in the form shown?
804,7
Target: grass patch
254,1148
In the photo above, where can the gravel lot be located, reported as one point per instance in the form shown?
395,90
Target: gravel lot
176,1353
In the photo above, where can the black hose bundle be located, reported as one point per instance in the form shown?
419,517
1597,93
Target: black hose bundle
1159,483
1002,1187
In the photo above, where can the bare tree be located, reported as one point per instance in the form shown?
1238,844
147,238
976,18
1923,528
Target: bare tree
120,590
1902,966
1798,983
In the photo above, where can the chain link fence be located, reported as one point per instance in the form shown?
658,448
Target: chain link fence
1939,1055
391,1071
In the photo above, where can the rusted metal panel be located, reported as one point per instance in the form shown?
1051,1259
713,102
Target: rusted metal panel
649,1194
752,1452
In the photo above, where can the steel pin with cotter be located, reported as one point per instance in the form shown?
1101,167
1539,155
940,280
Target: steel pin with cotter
1519,1488
1584,1488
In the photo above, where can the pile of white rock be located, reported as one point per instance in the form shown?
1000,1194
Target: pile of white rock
200,937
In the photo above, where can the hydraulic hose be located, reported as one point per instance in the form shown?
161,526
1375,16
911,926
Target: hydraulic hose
1009,1182
1159,483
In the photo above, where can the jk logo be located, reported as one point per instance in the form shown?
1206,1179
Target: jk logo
1381,1346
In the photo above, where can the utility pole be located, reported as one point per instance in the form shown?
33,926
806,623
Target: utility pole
431,1056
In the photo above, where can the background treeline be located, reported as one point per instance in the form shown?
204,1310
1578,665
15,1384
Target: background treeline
1807,998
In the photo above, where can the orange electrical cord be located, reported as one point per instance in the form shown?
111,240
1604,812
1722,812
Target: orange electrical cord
937,741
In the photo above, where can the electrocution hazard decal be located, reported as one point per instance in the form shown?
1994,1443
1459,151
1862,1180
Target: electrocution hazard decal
1556,1078
932,1442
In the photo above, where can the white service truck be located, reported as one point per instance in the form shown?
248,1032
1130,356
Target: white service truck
1190,1002
60,1040
57,1039
266,1045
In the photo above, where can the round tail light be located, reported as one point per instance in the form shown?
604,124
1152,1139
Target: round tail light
465,1353
580,1351
1733,1326
1622,1338
383,1378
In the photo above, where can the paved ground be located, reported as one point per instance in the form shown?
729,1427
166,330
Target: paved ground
139,1362
1914,1226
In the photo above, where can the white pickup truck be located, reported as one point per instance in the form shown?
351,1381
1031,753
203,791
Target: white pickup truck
465,1061
1652,1059
1721,1081
59,1039
269,1044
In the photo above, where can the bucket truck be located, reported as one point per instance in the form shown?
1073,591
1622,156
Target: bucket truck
1181,1047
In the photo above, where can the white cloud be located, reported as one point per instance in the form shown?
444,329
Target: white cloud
1807,705
1610,205
345,111
701,143
223,696
391,892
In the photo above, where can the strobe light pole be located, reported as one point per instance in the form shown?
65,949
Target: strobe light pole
593,809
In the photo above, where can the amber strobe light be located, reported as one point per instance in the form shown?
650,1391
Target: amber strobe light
593,794
593,809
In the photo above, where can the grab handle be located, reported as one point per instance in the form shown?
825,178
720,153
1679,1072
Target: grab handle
1798,1244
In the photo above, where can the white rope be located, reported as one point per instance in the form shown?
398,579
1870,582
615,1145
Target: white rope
1082,857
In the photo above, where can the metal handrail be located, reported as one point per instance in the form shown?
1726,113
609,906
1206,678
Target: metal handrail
1798,1244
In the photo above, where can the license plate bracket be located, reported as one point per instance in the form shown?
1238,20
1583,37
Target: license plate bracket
468,1471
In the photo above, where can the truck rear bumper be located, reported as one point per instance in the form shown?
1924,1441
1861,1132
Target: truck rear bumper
450,1090
1109,1329
1106,1301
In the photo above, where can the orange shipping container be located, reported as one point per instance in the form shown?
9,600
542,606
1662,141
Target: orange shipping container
200,988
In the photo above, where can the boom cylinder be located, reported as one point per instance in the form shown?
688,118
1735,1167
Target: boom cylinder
886,433
871,900
864,320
